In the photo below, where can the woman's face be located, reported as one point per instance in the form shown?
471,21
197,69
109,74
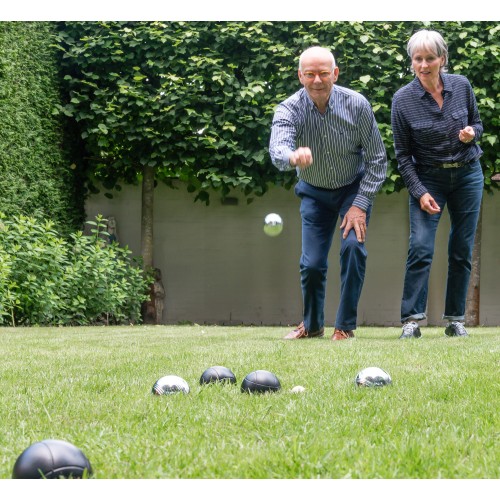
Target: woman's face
426,65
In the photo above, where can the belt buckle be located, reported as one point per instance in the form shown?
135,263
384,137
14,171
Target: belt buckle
450,165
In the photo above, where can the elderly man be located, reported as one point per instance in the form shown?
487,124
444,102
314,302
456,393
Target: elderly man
329,135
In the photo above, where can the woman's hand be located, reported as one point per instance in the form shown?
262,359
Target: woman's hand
429,205
467,134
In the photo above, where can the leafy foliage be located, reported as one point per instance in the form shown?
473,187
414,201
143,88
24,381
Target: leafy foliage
184,99
37,174
194,100
48,280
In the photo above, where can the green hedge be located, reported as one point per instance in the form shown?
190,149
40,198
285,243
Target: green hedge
195,100
242,68
46,279
38,165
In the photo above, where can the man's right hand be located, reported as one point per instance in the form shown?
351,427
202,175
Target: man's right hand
301,157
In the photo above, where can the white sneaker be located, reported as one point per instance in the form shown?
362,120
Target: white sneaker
411,330
455,329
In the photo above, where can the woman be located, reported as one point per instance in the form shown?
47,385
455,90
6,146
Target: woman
436,127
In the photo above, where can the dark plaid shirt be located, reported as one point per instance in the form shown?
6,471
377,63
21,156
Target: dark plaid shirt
427,136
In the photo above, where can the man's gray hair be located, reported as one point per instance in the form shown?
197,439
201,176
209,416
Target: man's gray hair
430,40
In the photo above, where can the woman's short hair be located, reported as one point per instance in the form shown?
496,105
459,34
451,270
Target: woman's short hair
430,40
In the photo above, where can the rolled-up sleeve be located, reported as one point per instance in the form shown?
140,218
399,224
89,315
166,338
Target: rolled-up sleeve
402,146
374,157
283,138
474,118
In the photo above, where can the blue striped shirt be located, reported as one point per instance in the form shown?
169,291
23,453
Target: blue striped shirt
344,142
427,136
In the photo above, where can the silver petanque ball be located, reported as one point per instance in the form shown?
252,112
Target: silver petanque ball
273,224
170,384
373,377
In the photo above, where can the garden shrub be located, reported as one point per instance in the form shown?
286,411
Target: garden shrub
46,279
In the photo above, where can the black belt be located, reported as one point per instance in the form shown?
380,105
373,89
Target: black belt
453,165
457,164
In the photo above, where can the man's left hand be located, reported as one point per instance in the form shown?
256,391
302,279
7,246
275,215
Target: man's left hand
355,219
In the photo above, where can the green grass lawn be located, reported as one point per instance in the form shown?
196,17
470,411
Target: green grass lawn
92,387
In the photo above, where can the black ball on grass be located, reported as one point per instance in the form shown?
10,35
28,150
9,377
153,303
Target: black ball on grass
260,381
219,374
51,459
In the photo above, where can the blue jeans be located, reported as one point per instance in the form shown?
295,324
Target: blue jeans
320,210
461,189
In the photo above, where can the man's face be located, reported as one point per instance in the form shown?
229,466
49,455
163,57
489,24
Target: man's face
317,76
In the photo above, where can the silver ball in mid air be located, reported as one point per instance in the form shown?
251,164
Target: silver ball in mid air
373,377
273,224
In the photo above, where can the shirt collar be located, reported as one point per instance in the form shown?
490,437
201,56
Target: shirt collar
311,104
419,89
446,82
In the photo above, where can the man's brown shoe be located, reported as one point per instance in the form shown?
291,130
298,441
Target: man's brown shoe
301,333
342,334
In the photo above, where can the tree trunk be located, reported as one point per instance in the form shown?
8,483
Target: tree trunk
153,308
473,293
147,215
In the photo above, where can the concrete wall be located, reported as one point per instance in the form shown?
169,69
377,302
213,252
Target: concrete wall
219,267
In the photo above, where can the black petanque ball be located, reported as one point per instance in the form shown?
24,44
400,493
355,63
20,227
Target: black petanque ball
216,374
51,459
260,381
